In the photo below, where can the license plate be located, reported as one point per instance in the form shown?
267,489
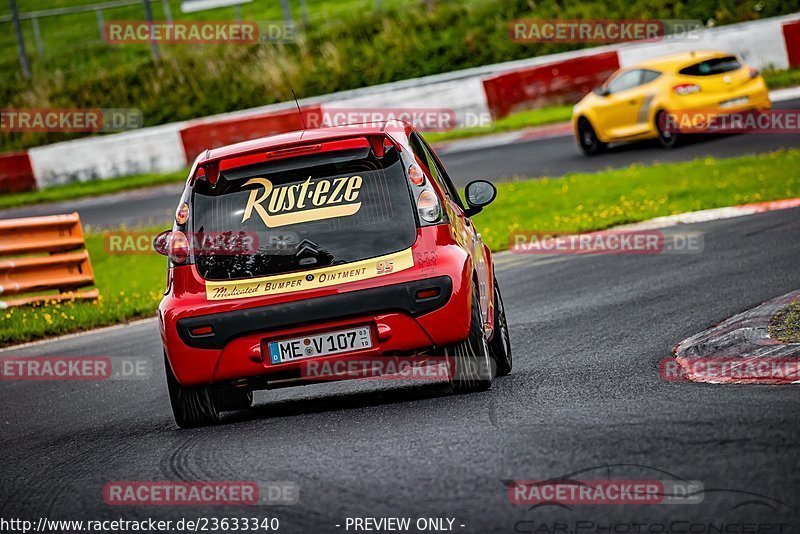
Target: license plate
337,342
741,101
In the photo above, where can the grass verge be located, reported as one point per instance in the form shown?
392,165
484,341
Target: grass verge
785,326
131,285
777,79
89,189
516,121
582,202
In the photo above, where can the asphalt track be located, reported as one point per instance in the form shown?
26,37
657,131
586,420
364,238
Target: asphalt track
533,158
585,397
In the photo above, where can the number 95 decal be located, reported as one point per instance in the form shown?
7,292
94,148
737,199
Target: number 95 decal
384,267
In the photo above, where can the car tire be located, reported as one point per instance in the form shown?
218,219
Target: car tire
588,140
233,399
469,365
191,406
500,345
666,138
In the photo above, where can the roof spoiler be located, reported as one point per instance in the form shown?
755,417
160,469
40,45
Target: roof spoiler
210,169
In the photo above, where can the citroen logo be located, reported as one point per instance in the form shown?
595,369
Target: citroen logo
307,246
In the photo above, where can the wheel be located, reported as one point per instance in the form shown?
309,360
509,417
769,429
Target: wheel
500,346
234,399
590,144
667,138
469,366
191,406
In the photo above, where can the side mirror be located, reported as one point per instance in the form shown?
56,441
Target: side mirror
479,193
602,91
161,242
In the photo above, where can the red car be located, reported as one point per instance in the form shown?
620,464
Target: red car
324,246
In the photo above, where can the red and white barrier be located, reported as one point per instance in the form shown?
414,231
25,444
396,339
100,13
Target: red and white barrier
497,89
203,134
552,83
760,43
16,174
791,36
149,150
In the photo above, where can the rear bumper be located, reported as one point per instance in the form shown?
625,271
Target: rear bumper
400,323
755,92
366,302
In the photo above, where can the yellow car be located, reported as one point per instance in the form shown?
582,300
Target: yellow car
631,105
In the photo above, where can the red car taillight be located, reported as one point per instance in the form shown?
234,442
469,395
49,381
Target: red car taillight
178,247
182,214
686,89
428,207
415,175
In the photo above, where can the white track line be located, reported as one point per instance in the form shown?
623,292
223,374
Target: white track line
78,334
779,95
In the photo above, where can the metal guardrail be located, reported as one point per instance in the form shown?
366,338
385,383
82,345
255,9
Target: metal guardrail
34,16
321,12
46,256
72,10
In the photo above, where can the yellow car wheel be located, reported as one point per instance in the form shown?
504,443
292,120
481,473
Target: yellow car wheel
587,138
667,138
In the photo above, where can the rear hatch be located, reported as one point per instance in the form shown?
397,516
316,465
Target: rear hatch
716,75
305,212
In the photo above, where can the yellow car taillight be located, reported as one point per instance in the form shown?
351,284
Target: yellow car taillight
686,89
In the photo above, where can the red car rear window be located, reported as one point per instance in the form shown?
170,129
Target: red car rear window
305,213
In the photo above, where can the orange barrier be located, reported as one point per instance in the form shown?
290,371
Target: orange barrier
42,255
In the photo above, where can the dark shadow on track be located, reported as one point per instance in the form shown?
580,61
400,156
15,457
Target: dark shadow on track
338,402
